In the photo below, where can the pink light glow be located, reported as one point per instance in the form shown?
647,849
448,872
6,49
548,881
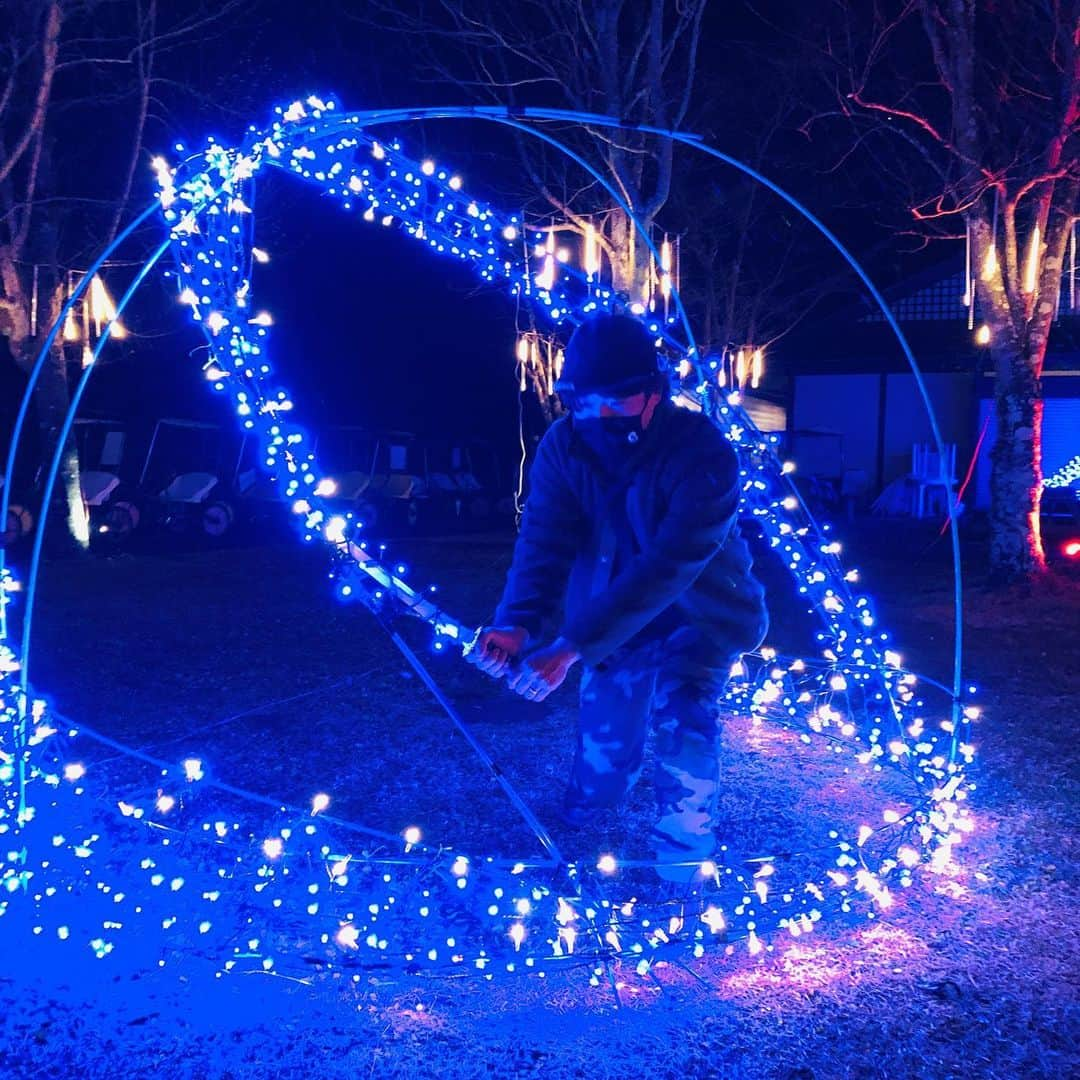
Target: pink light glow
801,967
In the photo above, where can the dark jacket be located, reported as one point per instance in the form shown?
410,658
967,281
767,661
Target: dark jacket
666,524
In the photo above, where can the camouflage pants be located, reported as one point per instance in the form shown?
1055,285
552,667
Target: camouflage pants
672,687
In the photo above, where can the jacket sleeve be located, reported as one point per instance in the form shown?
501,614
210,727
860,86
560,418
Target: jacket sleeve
699,519
552,531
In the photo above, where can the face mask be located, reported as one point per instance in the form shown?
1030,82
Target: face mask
611,438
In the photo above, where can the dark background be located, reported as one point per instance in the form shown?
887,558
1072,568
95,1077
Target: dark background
372,329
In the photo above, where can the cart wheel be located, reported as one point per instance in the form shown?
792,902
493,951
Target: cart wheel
19,524
217,518
121,519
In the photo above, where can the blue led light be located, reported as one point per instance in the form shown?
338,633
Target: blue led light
397,903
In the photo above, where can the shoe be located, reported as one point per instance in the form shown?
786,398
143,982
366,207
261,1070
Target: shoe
668,852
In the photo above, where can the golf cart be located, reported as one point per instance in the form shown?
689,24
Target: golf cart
379,477
111,502
464,482
185,477
259,497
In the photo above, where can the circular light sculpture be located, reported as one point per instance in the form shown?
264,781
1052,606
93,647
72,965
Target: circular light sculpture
347,896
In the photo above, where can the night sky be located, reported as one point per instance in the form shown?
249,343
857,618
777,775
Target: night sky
371,329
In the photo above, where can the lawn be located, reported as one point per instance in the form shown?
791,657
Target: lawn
241,656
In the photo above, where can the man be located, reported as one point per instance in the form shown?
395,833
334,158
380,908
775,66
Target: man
631,516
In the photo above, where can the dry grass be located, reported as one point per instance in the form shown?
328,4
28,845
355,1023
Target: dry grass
971,976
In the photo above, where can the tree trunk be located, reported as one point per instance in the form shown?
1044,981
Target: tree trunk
51,395
1016,551
630,262
51,401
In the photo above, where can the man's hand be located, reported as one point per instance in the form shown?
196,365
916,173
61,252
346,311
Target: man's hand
497,647
545,670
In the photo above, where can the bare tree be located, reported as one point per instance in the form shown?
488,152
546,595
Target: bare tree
637,61
746,278
752,269
64,64
31,62
978,106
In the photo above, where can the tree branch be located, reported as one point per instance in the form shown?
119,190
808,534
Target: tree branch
50,43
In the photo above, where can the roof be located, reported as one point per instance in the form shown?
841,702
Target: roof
933,317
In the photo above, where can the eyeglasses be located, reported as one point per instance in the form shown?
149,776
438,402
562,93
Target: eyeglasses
587,406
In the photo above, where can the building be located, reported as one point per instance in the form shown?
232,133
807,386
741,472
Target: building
854,409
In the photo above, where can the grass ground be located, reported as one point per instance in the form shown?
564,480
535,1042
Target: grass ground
240,655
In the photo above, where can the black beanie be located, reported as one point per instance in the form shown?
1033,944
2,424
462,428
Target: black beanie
610,354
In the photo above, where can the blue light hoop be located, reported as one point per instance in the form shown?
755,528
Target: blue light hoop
435,910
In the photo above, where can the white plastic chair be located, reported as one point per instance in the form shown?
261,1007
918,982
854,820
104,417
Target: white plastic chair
930,479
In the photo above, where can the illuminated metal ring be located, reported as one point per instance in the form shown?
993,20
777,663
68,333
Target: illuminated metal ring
222,160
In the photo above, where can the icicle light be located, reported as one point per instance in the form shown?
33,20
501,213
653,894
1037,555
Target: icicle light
1031,264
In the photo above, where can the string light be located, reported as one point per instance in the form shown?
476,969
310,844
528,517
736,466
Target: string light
1066,476
413,894
97,311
